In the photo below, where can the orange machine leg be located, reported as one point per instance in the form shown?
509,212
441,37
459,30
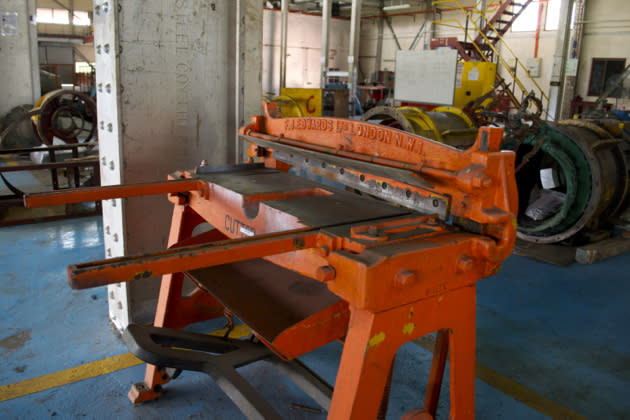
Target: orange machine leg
371,345
440,353
173,309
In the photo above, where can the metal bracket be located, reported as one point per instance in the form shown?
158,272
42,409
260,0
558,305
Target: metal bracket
220,357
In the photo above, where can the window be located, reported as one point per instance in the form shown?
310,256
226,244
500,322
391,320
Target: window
602,70
552,22
53,16
62,16
553,15
527,19
82,67
81,18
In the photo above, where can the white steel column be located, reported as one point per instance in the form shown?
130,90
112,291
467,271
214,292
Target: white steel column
353,50
559,60
573,53
284,28
379,40
106,46
326,15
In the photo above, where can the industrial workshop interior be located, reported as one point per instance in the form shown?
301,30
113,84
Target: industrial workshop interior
315,209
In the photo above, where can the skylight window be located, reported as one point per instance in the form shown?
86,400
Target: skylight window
528,19
553,15
59,16
62,17
81,18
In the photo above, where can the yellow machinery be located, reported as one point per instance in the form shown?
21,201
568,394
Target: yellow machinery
65,114
305,102
474,79
445,124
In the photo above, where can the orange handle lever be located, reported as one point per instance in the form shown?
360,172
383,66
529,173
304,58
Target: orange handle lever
80,195
124,269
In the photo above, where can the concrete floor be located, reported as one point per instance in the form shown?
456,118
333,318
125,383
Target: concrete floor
554,338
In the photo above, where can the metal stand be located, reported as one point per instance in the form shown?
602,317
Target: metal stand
74,165
219,358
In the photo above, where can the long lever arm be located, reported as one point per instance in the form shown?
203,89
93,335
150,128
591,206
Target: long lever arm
124,269
80,195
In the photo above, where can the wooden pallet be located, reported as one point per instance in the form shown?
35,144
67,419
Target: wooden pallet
599,251
561,255
564,255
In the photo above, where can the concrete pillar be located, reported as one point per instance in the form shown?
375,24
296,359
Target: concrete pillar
19,56
249,22
166,100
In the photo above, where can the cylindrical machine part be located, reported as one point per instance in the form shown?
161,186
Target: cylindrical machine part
570,175
67,115
445,124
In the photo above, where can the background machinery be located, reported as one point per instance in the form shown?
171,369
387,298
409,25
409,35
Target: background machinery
572,175
57,136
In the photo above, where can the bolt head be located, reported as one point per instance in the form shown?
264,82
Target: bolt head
324,251
325,273
405,278
464,263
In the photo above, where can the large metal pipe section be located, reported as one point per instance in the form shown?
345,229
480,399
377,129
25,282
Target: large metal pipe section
571,175
445,124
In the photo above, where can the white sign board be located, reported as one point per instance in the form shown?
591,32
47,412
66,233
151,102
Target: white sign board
426,76
8,23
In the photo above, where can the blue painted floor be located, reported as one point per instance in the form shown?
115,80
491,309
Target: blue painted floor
24,179
561,332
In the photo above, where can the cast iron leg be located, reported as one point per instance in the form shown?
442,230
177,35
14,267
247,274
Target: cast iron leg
438,365
172,311
366,362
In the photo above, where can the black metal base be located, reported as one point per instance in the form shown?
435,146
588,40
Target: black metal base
219,358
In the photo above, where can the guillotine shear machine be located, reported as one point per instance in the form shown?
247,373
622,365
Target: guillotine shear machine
392,257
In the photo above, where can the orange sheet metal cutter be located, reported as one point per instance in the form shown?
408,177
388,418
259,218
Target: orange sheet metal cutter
393,257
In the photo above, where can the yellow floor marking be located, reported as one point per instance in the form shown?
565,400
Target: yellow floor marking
515,390
88,370
123,361
68,376
8,160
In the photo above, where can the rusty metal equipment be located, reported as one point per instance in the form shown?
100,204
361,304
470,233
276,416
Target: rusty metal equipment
445,124
303,264
572,177
66,114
